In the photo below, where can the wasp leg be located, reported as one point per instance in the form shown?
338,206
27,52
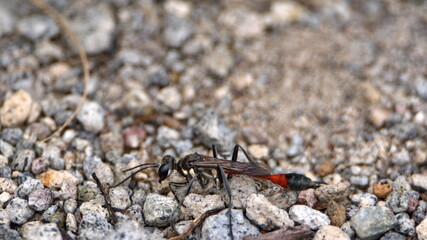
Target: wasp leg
223,179
214,151
236,152
143,167
173,185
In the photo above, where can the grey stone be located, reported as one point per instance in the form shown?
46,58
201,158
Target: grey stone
212,130
6,149
296,147
23,160
160,211
170,97
40,165
181,226
372,222
139,196
364,199
404,224
120,198
220,61
27,187
420,87
135,212
197,204
177,31
48,231
166,137
419,181
5,172
392,236
346,227
94,226
38,26
91,116
401,202
241,188
49,212
40,199
70,205
7,21
217,226
158,76
420,213
4,218
305,215
9,234
265,215
12,135
95,27
18,210
131,230
71,222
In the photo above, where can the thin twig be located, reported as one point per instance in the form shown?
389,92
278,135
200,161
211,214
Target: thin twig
196,222
105,192
63,23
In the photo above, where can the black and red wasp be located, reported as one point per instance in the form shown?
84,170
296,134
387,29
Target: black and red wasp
203,168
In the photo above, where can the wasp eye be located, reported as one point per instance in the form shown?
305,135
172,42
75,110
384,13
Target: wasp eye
166,168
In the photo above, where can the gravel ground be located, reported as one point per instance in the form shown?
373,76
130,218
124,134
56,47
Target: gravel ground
333,89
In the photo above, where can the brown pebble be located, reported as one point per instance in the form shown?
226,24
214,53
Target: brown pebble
336,213
134,136
382,189
52,178
325,168
307,197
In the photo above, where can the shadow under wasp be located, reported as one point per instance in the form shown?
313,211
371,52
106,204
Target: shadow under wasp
203,169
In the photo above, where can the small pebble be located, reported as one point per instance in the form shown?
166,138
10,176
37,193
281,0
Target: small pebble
378,116
52,178
39,165
22,161
18,210
265,215
220,61
330,232
217,227
94,226
170,98
104,173
198,204
8,21
258,151
16,109
138,197
120,198
160,211
12,135
372,222
4,198
71,222
254,135
419,181
337,213
166,137
7,185
27,187
308,216
134,136
4,218
364,199
177,31
40,199
401,202
95,27
326,193
6,149
91,116
404,224
133,230
422,230
70,205
307,197
325,168
390,235
5,172
37,26
241,188
382,189
47,231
